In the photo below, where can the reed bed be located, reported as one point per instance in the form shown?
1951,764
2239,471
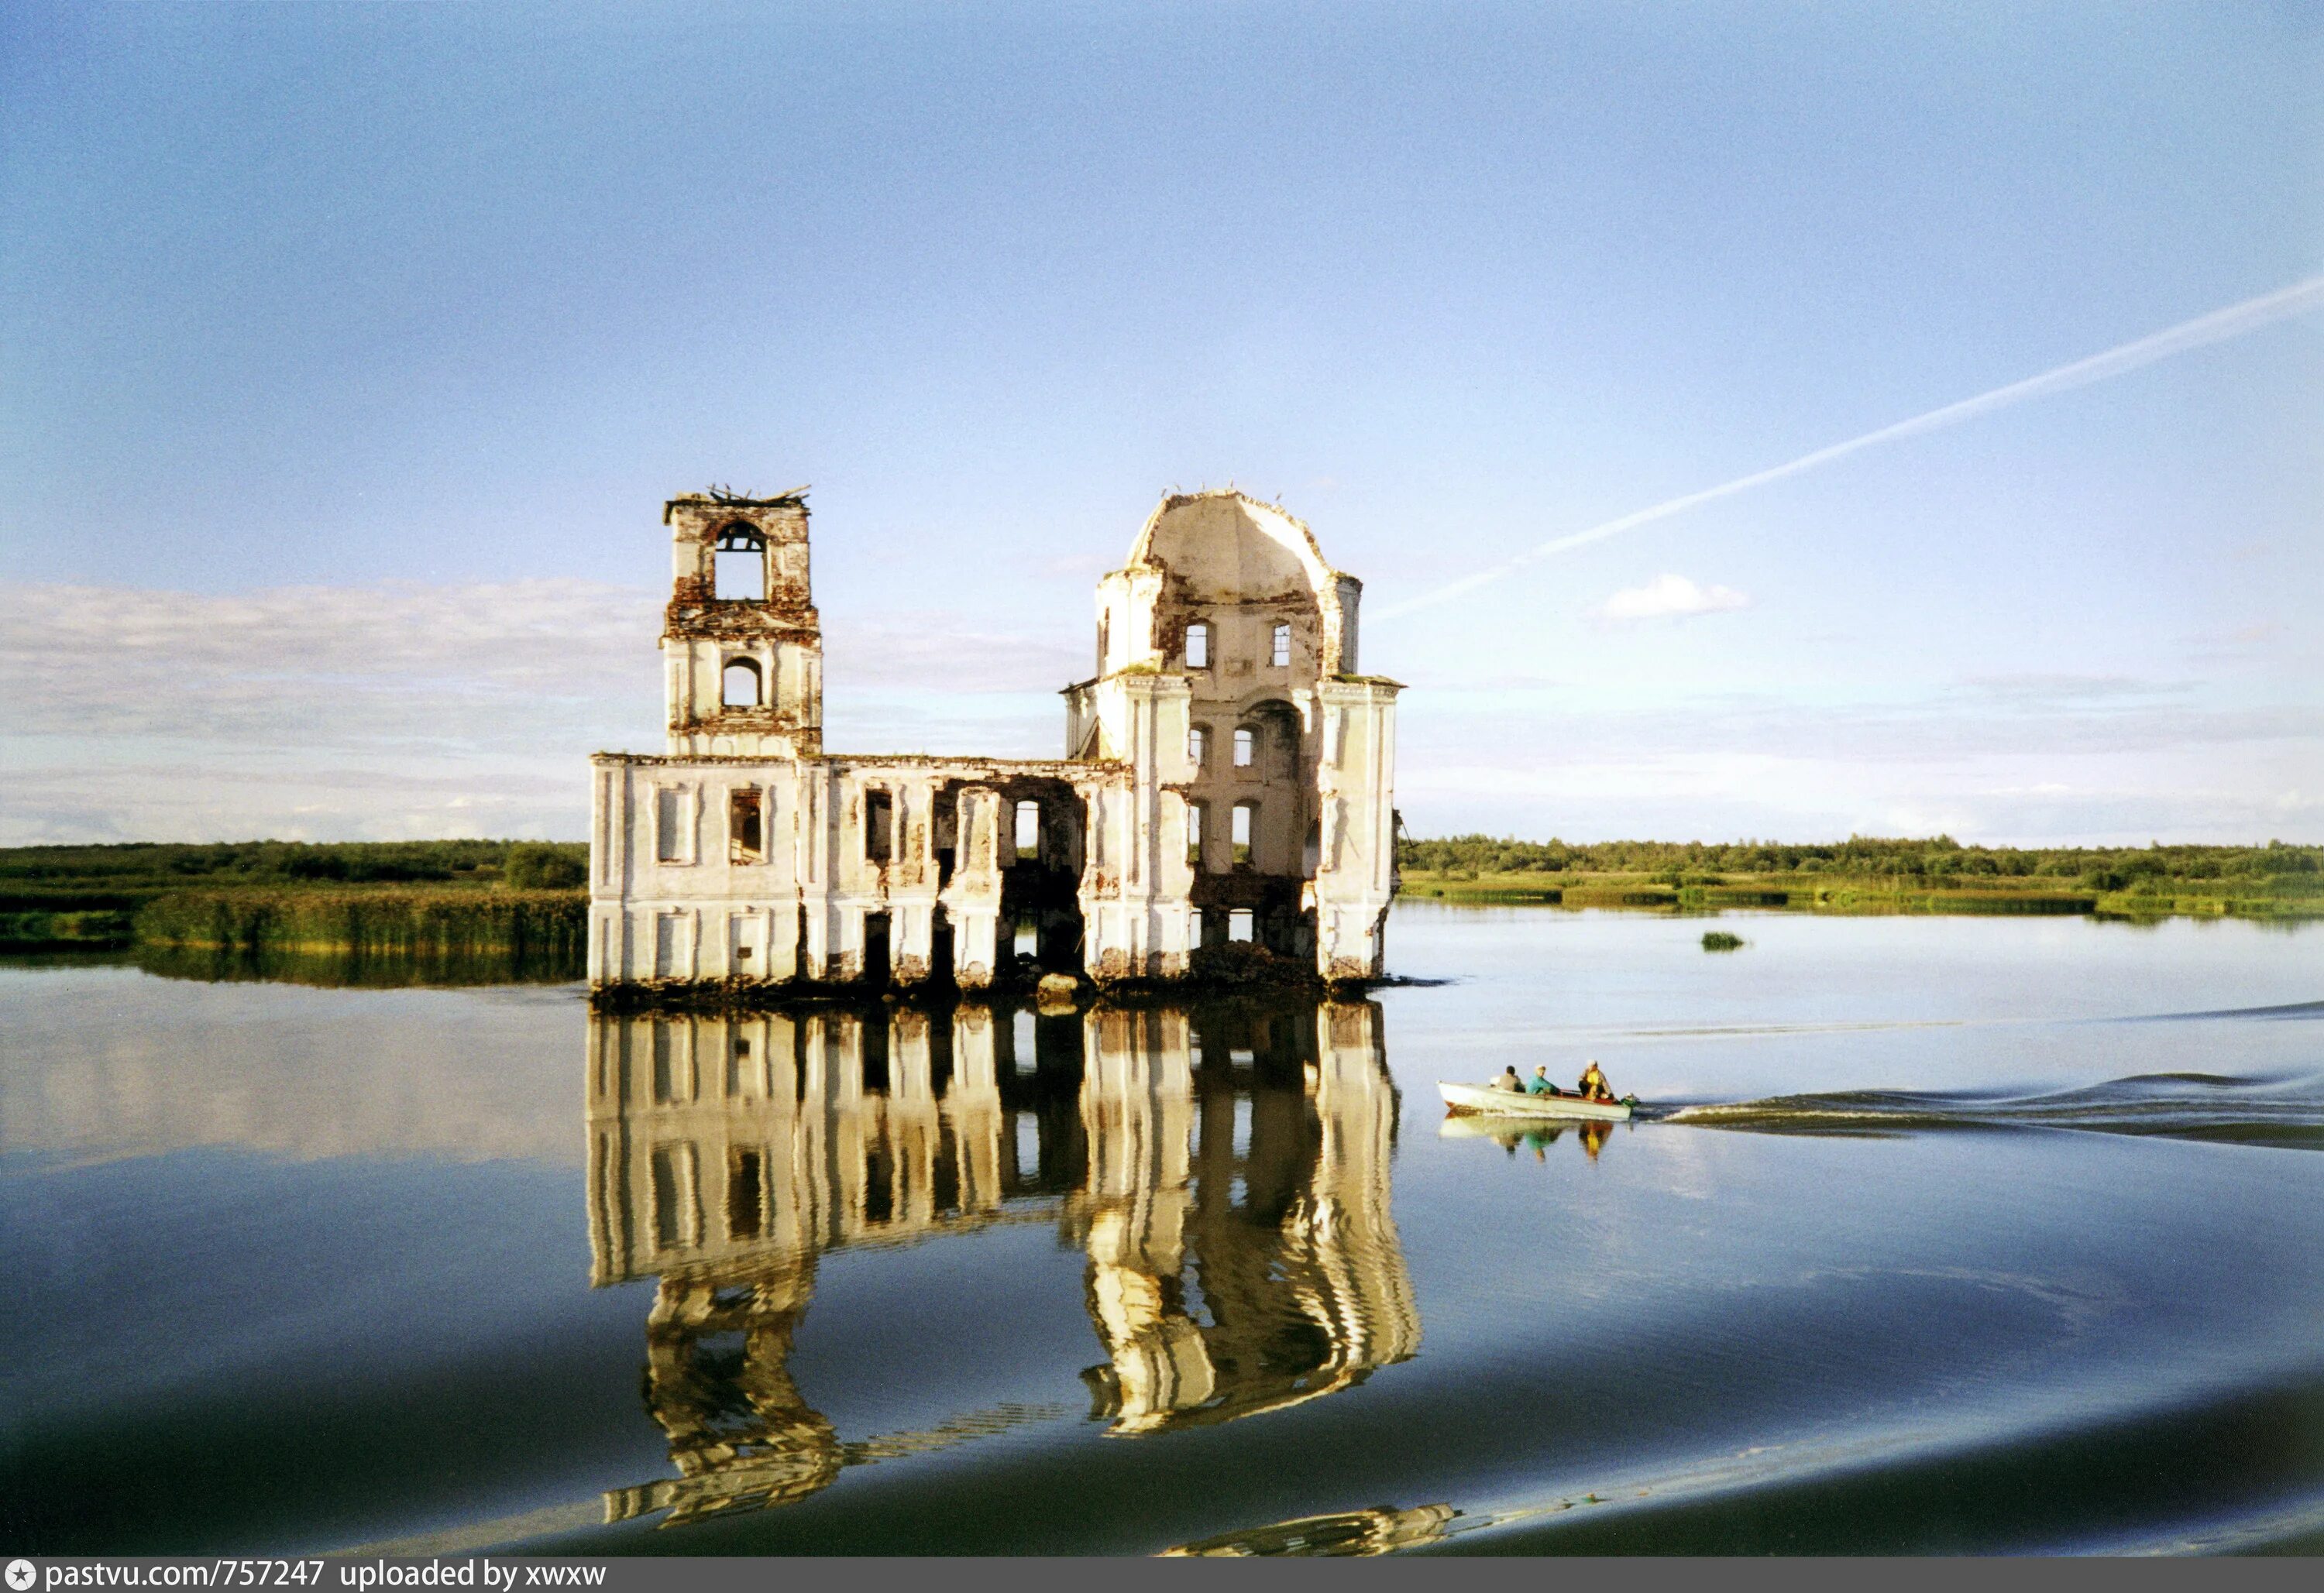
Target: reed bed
404,920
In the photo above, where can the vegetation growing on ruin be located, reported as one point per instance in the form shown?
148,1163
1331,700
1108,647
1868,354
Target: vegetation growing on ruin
1869,874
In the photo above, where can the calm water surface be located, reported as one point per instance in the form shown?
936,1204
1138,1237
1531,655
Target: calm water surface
1942,1234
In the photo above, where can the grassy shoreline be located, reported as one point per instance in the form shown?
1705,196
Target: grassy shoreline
505,902
452,901
1874,874
1864,895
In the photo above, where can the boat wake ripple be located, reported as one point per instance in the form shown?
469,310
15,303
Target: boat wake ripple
2273,1111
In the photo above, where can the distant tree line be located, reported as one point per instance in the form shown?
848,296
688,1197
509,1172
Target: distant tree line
139,869
2099,868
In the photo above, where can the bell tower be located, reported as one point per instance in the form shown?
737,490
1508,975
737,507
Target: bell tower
741,647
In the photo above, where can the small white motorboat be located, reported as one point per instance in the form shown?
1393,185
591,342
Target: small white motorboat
1486,1101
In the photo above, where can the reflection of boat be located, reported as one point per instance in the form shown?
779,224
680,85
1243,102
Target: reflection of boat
1534,1134
1488,1101
1225,1169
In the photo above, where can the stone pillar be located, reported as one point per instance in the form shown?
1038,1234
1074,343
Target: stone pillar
1136,882
972,900
1355,874
912,885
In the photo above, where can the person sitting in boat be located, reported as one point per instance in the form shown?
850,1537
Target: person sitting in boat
1510,1082
1593,1085
1539,1083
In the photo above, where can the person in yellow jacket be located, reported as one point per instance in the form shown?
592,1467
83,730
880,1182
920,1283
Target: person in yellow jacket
1593,1085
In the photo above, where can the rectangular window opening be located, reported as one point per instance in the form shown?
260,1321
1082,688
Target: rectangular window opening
1029,832
1198,745
746,829
669,825
1244,815
1245,747
1239,924
1194,811
1198,646
879,825
739,574
1282,646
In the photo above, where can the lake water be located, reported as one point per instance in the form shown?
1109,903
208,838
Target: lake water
1941,1235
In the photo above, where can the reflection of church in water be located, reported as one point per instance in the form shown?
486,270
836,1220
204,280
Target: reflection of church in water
1224,1167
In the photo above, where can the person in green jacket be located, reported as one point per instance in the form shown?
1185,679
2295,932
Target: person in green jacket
1539,1083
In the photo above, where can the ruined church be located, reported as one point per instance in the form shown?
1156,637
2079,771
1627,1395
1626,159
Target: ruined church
1228,781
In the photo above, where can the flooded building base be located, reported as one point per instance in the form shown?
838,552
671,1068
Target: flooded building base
1224,809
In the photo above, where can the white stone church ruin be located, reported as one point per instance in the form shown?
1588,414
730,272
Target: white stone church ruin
1226,799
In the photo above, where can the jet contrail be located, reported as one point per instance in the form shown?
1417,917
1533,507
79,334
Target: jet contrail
2218,326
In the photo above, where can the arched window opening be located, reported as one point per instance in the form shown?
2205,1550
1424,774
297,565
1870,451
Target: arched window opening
1275,740
1245,747
1198,646
1029,832
741,685
741,573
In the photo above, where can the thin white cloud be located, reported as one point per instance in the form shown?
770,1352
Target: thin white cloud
403,709
1670,597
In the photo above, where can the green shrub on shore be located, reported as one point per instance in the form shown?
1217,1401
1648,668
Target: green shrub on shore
541,865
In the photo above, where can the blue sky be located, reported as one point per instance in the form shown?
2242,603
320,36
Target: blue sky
348,353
